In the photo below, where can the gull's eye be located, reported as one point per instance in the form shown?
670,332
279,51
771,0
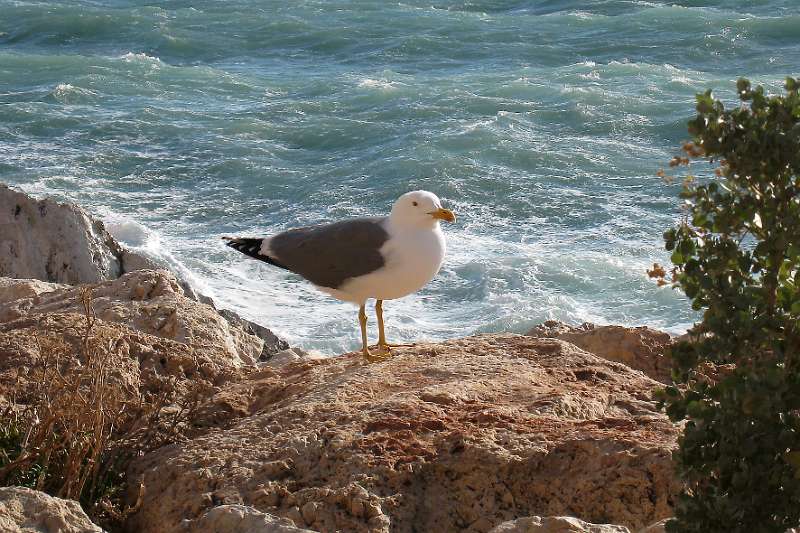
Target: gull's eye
415,204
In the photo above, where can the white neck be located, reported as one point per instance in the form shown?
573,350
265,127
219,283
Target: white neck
399,225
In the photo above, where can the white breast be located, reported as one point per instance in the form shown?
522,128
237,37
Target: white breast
412,259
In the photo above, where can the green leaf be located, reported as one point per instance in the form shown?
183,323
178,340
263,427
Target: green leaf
738,262
743,87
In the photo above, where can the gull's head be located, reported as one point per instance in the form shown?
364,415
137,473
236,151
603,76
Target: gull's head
421,209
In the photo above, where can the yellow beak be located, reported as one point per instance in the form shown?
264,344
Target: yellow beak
443,214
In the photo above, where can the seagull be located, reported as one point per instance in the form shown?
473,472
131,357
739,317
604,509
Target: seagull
381,258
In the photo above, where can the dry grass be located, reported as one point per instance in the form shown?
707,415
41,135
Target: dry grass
84,420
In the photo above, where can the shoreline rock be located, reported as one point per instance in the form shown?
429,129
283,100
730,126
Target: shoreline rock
555,524
455,436
149,301
54,242
641,348
59,242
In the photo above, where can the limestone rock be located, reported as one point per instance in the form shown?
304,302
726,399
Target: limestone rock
14,289
640,348
555,524
272,343
149,301
52,241
132,261
464,435
59,242
290,355
458,436
551,329
240,519
24,510
143,362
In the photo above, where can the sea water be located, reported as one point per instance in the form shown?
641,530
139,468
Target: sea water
541,124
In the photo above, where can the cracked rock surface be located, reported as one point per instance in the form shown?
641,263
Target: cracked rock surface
59,242
640,348
54,241
456,436
149,301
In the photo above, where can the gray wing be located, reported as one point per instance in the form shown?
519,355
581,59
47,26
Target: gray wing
329,254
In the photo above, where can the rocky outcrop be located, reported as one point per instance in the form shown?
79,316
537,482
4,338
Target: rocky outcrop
272,344
457,436
53,241
60,243
25,510
151,365
15,289
149,301
641,348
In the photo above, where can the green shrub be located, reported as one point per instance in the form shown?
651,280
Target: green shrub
736,255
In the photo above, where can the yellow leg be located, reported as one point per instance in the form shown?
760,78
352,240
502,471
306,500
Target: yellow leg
381,333
362,319
382,344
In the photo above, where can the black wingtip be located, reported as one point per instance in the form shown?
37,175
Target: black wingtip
251,247
248,246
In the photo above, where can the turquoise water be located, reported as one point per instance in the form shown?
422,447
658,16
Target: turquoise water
542,124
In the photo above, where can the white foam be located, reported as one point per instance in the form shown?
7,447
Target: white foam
64,91
382,84
132,233
141,57
62,88
585,15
